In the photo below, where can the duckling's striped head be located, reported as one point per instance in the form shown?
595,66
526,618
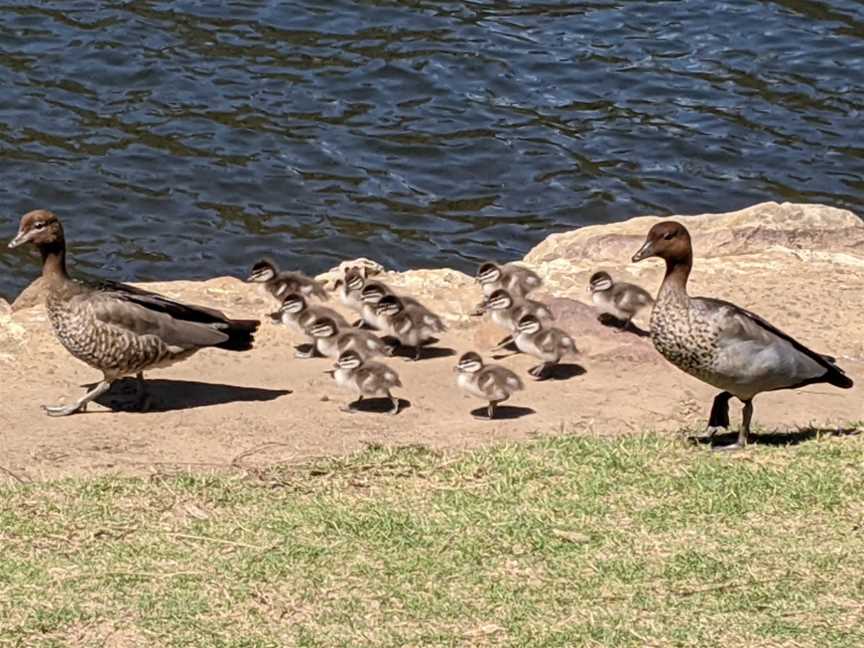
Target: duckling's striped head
470,362
668,240
293,303
373,292
39,227
600,282
488,273
323,327
262,272
529,325
499,300
349,360
389,305
354,280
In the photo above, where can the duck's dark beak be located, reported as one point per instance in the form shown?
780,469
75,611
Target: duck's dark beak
647,250
20,239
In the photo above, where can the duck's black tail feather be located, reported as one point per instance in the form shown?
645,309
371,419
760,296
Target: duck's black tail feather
837,377
241,335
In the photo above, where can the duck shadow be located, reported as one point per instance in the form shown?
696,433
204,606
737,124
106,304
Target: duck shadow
775,438
170,395
378,406
613,322
564,371
502,413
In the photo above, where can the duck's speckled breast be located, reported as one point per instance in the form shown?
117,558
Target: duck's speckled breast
686,337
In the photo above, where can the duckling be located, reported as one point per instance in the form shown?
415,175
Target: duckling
548,344
515,279
492,383
279,284
411,324
367,377
118,329
722,344
371,294
349,288
506,311
297,313
332,341
618,299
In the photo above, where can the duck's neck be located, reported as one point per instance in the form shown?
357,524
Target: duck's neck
54,261
677,273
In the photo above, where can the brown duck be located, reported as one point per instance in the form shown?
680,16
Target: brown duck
722,344
120,330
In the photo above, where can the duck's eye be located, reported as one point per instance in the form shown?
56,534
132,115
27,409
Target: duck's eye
39,225
669,236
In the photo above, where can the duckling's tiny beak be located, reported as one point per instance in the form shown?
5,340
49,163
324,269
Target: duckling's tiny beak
330,372
20,239
647,250
455,369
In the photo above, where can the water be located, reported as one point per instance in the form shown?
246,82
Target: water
186,139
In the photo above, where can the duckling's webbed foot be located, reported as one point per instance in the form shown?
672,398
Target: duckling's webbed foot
351,408
81,404
541,371
396,404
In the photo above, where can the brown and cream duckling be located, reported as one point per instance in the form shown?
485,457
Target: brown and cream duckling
349,289
118,329
621,300
282,283
492,383
332,341
299,314
515,279
547,344
506,311
411,324
372,293
367,378
722,344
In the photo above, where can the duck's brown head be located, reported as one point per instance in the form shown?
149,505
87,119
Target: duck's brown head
667,240
40,228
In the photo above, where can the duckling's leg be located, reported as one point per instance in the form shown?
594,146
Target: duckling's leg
718,420
81,404
541,371
350,408
418,352
503,343
491,408
395,402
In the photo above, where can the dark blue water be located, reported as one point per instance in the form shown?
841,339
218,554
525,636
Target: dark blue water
185,139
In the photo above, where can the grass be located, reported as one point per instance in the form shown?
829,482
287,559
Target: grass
569,541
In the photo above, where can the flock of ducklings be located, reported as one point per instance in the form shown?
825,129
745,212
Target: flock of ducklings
387,321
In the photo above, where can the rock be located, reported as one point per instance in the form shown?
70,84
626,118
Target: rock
29,297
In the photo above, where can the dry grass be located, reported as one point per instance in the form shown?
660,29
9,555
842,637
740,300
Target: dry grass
563,542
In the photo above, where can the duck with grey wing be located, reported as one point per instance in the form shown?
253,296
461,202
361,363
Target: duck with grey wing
332,341
515,279
722,344
506,311
118,329
546,343
298,314
621,300
412,324
492,383
367,378
281,283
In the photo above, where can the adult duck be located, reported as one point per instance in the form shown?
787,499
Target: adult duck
722,344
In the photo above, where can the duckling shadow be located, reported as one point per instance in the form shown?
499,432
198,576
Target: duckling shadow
566,371
502,413
776,438
379,405
613,322
426,352
169,395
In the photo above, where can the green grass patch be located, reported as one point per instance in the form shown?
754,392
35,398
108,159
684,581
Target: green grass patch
568,541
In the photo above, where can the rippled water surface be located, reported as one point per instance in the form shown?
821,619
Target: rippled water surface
185,139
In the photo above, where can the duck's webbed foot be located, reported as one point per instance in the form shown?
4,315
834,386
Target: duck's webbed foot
718,420
143,400
743,431
81,404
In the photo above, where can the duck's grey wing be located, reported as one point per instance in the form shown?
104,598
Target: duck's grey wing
753,347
